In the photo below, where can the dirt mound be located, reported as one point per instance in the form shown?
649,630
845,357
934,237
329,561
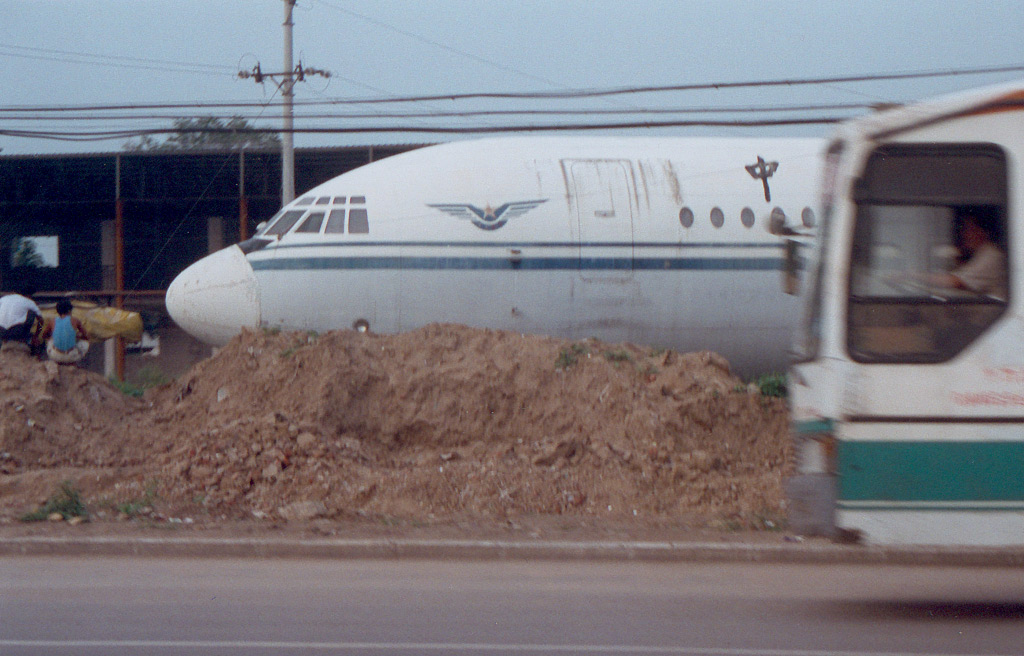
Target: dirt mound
442,423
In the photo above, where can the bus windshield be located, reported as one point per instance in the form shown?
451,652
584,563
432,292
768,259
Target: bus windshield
928,270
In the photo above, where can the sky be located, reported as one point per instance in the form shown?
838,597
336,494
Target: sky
115,55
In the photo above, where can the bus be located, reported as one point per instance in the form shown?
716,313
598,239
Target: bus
907,376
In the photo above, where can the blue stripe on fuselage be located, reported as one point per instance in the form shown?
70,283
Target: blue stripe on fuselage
567,262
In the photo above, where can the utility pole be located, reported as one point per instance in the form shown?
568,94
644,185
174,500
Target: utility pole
288,77
287,138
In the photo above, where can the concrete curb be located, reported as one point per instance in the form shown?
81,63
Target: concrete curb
792,553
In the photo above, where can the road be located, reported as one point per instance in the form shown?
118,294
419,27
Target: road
209,606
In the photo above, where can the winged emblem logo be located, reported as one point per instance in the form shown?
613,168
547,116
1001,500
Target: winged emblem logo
488,218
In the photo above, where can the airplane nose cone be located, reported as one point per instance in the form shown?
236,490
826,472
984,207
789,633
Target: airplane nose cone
216,297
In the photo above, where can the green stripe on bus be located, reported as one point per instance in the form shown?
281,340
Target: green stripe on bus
930,471
813,426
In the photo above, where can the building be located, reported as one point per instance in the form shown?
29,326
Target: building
61,217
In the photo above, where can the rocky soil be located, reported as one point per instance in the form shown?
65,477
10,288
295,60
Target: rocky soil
446,424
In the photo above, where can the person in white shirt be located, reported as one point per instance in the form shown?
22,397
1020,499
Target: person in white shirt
18,316
984,272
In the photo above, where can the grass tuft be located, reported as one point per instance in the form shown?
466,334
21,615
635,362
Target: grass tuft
67,501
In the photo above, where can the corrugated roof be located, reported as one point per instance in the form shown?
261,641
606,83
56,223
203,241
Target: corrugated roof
165,153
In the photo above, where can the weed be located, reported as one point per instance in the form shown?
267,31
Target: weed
152,377
126,388
146,378
648,370
67,501
774,385
311,337
618,356
567,357
271,331
136,506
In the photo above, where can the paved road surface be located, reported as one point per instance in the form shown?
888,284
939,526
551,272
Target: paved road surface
115,606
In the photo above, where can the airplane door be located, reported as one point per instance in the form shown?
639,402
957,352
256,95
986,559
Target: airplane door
604,293
604,215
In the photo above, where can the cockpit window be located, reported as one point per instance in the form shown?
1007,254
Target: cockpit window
929,272
305,200
323,200
285,223
312,223
336,222
358,222
357,200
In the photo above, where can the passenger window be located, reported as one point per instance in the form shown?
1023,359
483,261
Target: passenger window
358,222
929,272
807,217
686,217
313,223
285,223
747,217
777,221
336,222
717,217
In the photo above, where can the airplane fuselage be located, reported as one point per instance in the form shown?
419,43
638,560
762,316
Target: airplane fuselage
661,241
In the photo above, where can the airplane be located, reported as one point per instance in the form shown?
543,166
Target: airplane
670,242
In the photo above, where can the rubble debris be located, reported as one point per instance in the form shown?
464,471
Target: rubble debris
444,423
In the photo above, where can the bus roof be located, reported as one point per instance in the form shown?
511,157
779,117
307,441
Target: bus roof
887,123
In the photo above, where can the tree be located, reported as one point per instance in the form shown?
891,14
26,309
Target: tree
207,133
24,254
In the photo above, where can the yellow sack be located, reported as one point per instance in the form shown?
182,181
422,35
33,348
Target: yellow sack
102,322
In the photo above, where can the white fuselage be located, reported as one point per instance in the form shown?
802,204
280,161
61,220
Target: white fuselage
662,241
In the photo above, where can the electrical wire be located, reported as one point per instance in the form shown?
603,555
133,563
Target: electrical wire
125,134
114,61
747,109
537,95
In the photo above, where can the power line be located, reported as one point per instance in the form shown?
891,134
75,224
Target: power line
746,109
538,95
124,134
442,46
115,61
709,86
